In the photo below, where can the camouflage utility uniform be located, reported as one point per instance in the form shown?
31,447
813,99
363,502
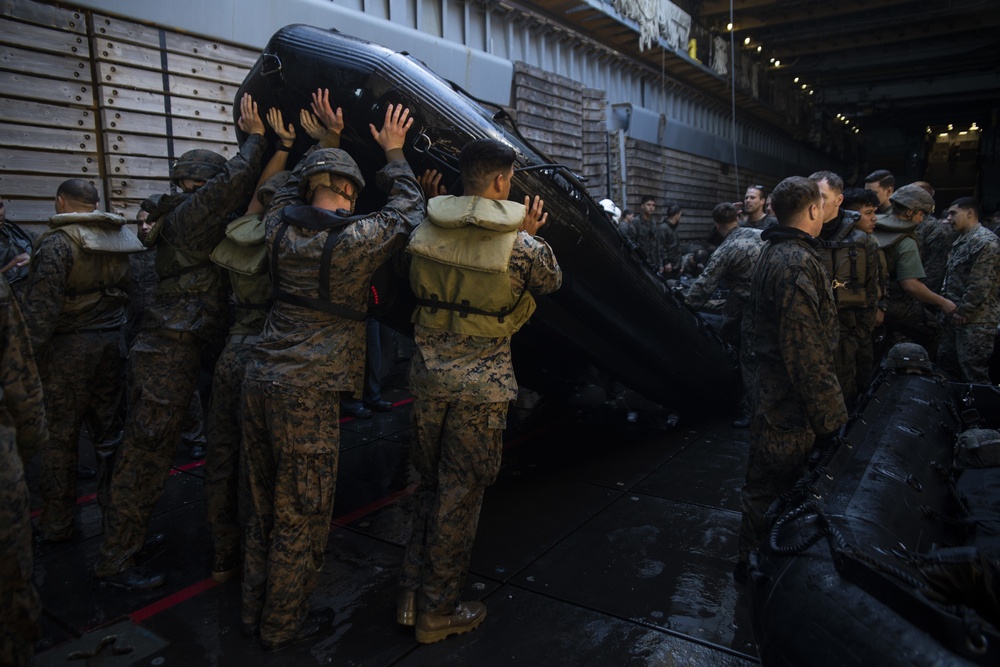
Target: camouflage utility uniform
905,317
671,249
22,431
852,262
246,260
184,325
934,241
733,262
291,408
793,339
74,307
973,283
462,378
14,241
651,238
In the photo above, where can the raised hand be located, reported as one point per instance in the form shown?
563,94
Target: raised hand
393,132
249,121
285,133
533,216
332,120
430,183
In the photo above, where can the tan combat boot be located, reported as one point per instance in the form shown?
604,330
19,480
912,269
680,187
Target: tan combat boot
435,627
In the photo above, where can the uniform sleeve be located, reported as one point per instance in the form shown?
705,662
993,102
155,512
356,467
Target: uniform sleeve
672,248
982,279
43,297
545,276
706,284
874,275
20,386
908,263
199,223
810,366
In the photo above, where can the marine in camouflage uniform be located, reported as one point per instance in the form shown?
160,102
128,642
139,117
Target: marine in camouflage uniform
906,317
22,432
312,348
852,262
733,263
671,263
934,241
468,251
74,308
793,340
244,255
184,325
973,283
650,236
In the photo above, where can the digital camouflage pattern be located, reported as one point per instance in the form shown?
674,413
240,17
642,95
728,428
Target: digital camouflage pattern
792,341
291,444
934,241
291,436
461,386
854,354
22,431
180,333
973,283
651,238
14,241
456,449
225,500
80,354
671,247
22,407
142,277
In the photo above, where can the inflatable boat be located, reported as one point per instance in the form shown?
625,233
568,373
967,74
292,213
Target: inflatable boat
613,315
888,552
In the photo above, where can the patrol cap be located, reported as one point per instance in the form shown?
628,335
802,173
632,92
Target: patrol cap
913,197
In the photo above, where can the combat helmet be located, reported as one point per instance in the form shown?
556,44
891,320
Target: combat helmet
329,161
908,358
913,197
610,208
198,164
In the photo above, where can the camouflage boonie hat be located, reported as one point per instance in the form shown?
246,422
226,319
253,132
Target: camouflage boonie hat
913,197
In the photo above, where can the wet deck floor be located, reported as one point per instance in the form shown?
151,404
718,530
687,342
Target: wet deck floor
601,543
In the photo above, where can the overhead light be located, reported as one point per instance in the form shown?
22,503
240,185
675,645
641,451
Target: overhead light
950,127
974,127
729,27
963,132
795,80
772,60
759,47
810,92
943,134
804,86
928,129
839,116
746,42
777,63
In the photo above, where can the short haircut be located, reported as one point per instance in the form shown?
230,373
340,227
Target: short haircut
725,214
859,197
78,190
673,208
481,160
792,196
967,203
884,178
760,189
646,198
835,182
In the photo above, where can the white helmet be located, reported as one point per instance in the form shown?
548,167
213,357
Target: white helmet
609,206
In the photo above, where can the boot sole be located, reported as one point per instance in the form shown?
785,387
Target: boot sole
432,636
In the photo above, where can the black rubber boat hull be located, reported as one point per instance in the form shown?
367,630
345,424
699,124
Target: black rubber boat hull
885,495
612,313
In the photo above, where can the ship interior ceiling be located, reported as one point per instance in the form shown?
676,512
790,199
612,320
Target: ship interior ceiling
873,62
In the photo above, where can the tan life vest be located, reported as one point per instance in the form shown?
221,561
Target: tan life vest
244,254
459,267
95,293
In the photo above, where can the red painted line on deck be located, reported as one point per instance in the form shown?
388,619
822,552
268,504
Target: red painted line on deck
172,600
372,507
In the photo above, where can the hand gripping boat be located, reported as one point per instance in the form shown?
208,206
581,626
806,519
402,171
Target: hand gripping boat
612,313
888,553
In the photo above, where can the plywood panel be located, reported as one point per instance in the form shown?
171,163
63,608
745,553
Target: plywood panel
35,186
156,124
120,77
15,84
26,35
137,144
131,166
191,45
46,15
46,162
44,138
32,112
44,64
138,100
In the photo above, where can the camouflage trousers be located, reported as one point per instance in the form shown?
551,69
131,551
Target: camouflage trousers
83,380
291,442
853,357
20,605
456,450
226,495
777,460
163,373
965,352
